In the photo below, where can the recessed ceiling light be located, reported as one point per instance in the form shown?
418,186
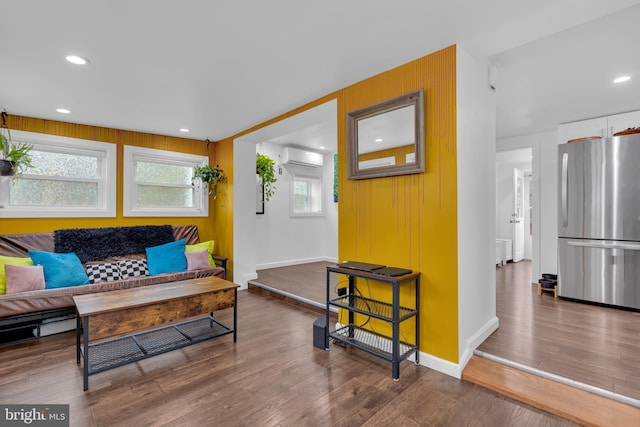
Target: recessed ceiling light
78,60
378,139
63,110
322,148
185,130
622,79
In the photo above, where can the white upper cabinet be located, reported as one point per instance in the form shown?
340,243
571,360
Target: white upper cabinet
582,129
620,122
598,127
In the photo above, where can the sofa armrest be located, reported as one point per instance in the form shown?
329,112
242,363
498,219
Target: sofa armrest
221,261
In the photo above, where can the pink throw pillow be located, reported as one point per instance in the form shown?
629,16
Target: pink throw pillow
21,278
197,260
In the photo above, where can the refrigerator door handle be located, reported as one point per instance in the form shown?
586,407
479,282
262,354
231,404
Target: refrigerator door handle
564,196
607,245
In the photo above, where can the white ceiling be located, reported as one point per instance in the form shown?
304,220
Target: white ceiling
221,67
569,75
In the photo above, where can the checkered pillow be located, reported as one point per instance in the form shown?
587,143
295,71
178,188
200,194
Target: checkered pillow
133,268
103,272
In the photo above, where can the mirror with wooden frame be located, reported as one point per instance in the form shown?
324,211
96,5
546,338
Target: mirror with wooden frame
387,138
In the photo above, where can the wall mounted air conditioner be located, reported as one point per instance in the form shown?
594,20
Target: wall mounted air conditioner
298,157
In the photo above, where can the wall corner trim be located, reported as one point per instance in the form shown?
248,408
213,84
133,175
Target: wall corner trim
478,338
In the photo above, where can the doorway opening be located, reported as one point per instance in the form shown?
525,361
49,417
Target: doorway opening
514,206
275,237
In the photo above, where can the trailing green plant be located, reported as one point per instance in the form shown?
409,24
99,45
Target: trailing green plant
210,176
17,154
265,168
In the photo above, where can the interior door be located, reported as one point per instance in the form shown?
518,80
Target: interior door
517,218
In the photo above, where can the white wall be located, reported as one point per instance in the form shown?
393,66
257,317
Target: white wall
476,135
244,224
286,240
528,226
544,164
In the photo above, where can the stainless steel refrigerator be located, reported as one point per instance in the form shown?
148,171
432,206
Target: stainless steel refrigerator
599,220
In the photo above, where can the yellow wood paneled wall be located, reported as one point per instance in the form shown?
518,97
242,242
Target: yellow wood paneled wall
410,221
121,138
223,205
406,221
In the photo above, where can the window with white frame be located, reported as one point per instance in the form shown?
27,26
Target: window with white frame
159,183
306,195
70,177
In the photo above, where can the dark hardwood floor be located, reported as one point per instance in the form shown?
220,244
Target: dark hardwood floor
272,376
307,281
595,346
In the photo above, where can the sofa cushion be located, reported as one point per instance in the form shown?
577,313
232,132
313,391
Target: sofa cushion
197,260
5,260
133,268
106,272
167,258
208,245
61,270
23,278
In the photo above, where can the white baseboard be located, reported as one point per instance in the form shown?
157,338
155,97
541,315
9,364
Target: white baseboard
294,262
476,339
455,369
244,284
440,365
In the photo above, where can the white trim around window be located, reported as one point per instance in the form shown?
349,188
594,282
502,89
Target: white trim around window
104,179
133,208
309,201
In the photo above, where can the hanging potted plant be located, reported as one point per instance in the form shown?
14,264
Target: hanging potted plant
210,176
265,168
14,157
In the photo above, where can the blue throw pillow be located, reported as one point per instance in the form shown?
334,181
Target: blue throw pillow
61,270
167,258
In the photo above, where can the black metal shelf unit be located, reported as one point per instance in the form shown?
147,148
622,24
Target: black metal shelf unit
389,348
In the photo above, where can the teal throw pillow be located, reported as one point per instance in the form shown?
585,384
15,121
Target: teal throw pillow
61,270
167,258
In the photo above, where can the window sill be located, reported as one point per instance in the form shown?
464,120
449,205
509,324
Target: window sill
306,214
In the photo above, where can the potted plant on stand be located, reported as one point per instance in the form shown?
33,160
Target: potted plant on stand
14,157
210,176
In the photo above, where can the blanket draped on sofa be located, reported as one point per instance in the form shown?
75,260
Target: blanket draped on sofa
93,244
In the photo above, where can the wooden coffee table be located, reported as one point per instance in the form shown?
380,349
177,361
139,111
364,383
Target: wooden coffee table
124,326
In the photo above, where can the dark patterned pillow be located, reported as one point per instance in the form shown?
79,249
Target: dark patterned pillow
133,268
103,272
